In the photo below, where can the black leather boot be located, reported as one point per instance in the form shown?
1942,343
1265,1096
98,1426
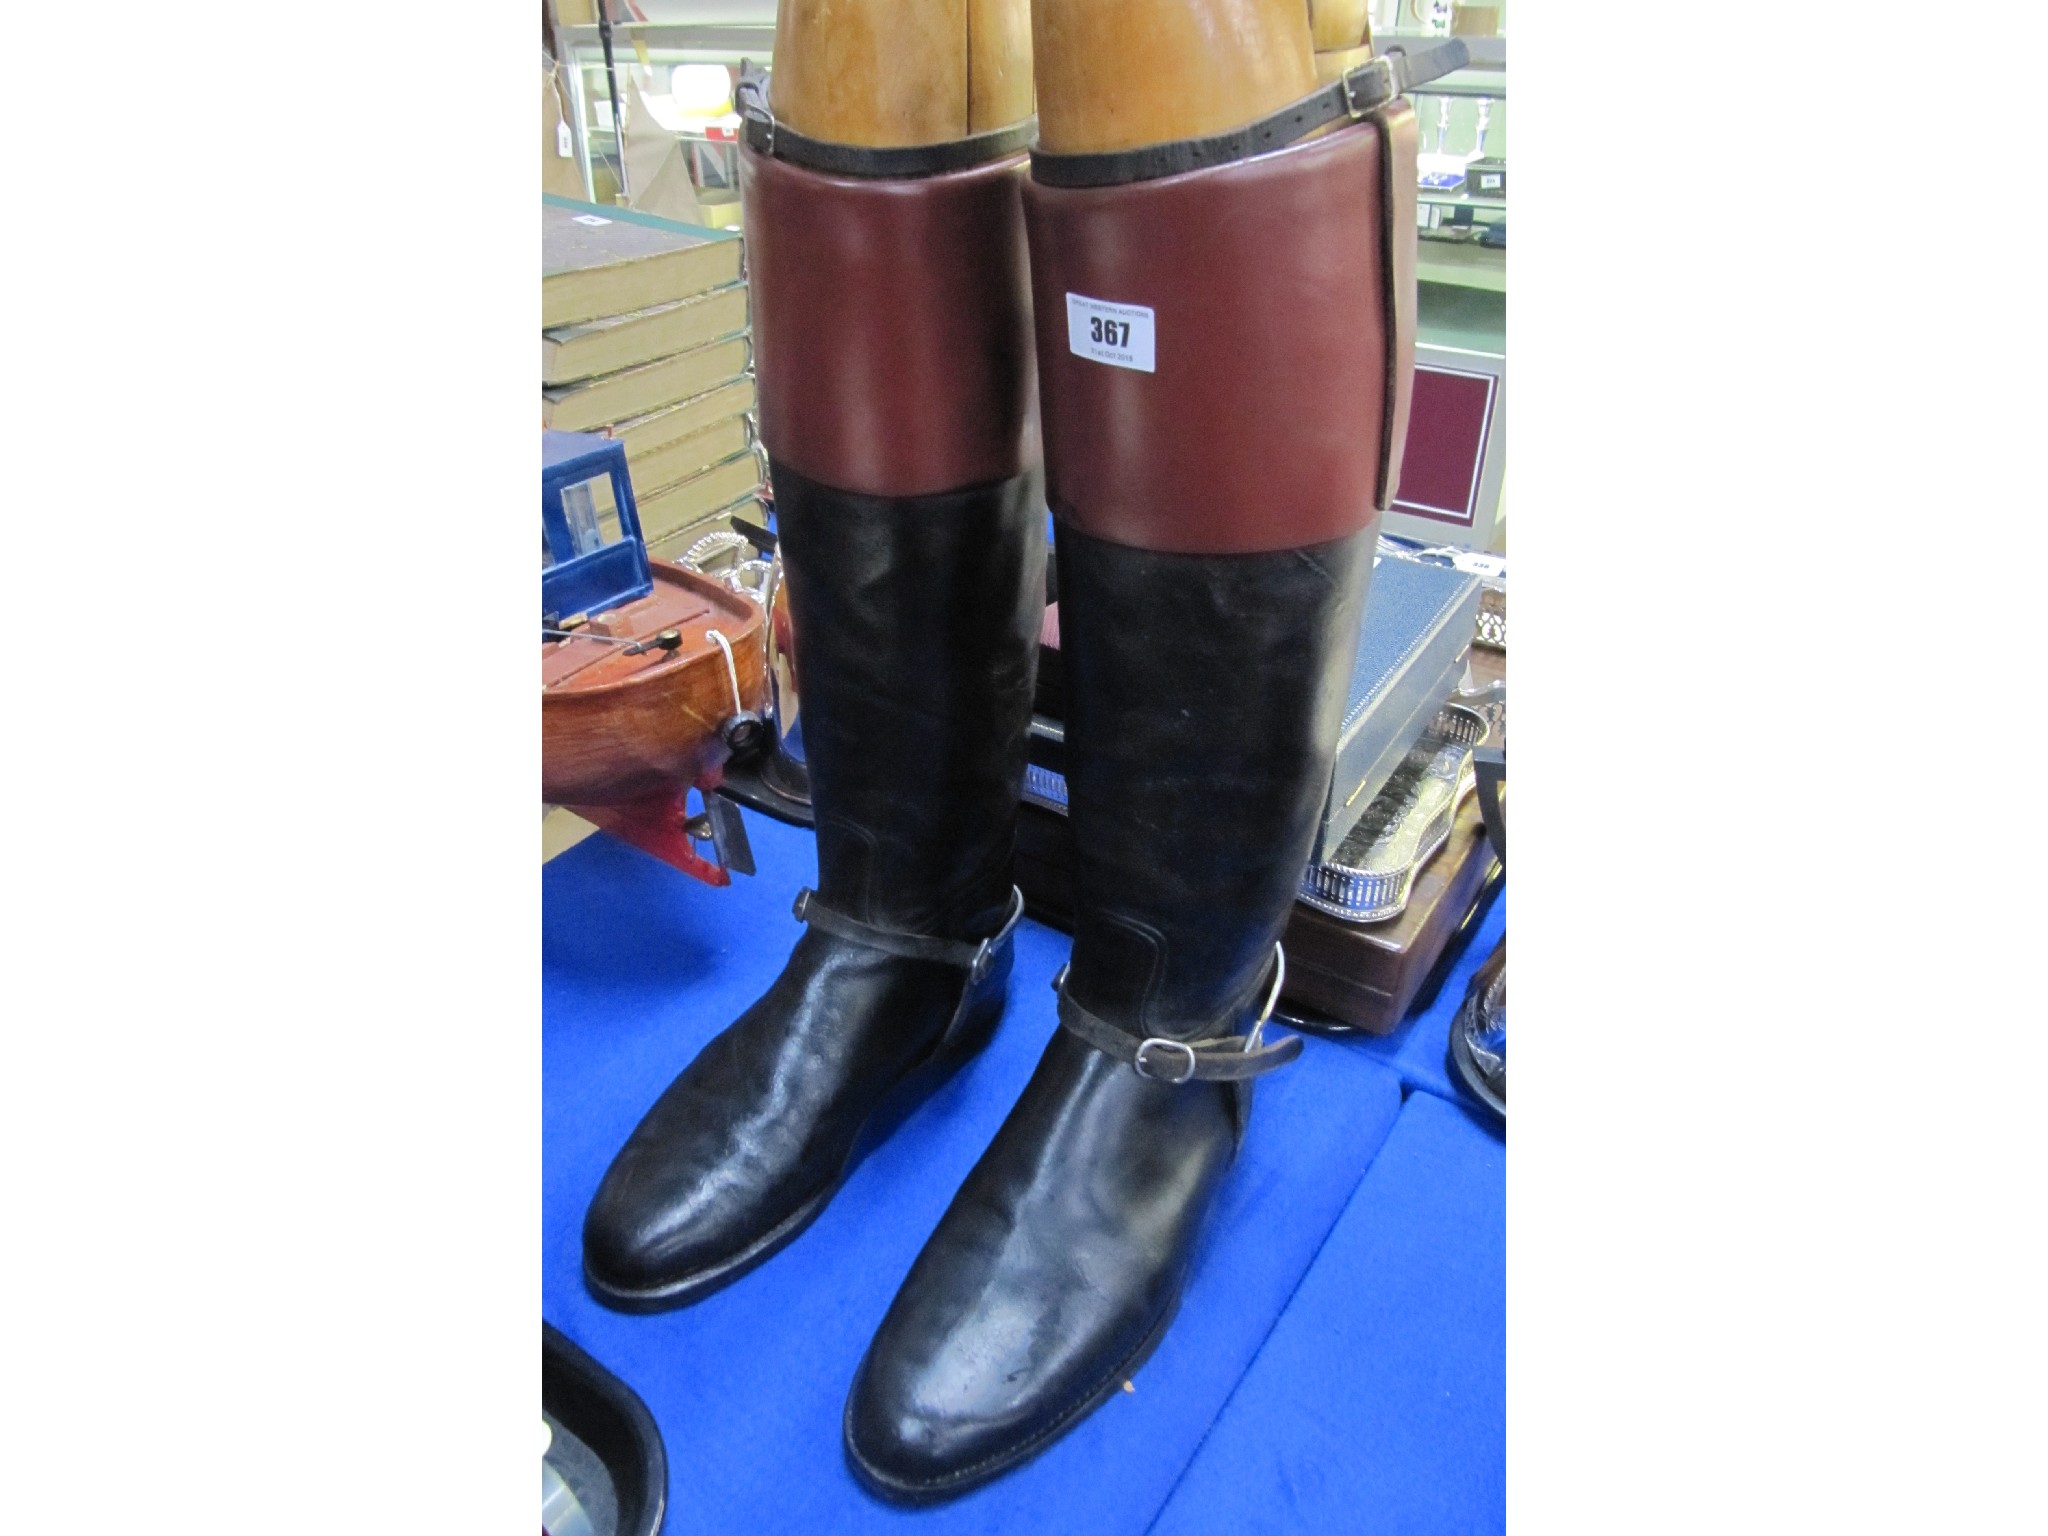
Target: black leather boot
1225,354
917,626
1203,697
891,331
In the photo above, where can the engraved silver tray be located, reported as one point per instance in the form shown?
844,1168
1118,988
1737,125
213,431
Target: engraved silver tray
1374,869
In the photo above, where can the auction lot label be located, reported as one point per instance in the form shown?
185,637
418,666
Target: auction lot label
1117,334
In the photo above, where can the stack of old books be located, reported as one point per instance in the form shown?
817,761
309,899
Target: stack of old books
644,337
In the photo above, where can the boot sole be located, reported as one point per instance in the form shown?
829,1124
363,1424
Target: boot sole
894,1107
918,1495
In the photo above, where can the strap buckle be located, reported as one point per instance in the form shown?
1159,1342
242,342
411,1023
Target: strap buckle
1215,1058
751,100
1138,1059
985,954
977,957
1251,1039
1382,70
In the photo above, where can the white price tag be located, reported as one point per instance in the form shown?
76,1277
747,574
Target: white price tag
564,145
587,218
1117,334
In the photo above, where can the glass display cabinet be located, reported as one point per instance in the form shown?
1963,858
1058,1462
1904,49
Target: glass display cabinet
676,64
1453,475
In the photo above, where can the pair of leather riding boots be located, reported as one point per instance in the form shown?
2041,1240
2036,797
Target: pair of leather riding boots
1216,468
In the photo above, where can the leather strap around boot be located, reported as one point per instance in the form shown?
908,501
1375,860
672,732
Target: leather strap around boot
1214,1059
975,956
1355,95
766,136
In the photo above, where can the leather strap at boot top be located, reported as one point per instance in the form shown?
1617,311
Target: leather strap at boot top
766,136
1216,1059
975,956
1354,95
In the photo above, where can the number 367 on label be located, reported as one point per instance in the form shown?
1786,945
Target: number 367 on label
1117,334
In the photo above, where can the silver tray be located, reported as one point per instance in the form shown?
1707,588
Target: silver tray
1374,869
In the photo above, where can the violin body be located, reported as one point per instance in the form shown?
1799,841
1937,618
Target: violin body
617,729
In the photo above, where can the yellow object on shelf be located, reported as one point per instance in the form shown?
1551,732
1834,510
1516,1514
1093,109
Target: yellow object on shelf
718,213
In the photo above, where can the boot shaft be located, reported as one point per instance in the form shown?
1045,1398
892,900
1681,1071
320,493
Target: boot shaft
1204,697
1218,473
892,325
1259,399
892,342
917,623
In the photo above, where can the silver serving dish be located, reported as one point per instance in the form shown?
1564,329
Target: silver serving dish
1490,703
727,555
1493,616
1373,871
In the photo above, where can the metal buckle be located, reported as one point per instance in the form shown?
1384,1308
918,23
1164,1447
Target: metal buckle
803,904
1384,66
1251,1041
751,100
1016,915
1138,1059
984,957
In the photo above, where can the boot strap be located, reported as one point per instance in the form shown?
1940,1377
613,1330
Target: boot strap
1216,1059
975,956
1360,93
765,135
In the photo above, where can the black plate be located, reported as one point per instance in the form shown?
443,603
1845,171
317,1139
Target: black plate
606,1446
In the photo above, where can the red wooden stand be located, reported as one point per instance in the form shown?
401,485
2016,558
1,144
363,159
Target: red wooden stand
660,826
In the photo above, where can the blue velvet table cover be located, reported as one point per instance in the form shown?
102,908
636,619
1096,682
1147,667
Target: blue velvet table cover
641,965
1378,1402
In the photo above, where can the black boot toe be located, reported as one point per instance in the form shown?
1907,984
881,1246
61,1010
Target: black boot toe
746,1146
662,1235
1048,1281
